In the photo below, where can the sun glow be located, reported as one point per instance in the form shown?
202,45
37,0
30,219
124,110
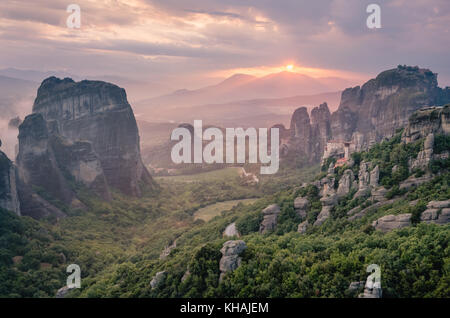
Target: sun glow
290,67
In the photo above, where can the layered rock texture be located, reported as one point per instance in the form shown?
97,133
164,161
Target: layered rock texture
366,114
9,199
350,182
437,212
79,133
270,216
390,222
158,279
230,256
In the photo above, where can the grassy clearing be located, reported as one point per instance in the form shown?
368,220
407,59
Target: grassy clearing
210,211
216,175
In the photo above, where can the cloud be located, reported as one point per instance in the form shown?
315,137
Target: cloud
172,37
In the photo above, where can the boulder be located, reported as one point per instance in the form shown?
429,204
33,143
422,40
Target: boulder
158,279
414,182
345,183
363,175
323,215
64,292
167,250
230,256
354,216
374,176
9,197
329,200
269,222
364,179
302,227
375,292
424,156
327,186
437,212
231,230
438,204
391,222
186,275
379,194
301,205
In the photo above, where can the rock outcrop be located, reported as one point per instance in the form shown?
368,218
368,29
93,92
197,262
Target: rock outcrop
345,183
166,251
413,181
9,199
364,180
97,112
64,292
230,256
391,222
269,222
372,290
158,279
367,114
301,205
79,132
231,230
302,227
426,121
437,212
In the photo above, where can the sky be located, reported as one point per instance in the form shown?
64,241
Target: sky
190,43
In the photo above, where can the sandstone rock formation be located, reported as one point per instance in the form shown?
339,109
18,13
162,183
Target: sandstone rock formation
385,103
364,179
413,181
356,213
391,222
302,227
426,121
186,275
64,292
437,212
158,279
230,256
97,112
323,215
301,205
231,230
168,249
9,199
345,183
371,290
84,133
269,223
374,177
367,114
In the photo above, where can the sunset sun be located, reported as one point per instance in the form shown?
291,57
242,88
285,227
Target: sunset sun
290,67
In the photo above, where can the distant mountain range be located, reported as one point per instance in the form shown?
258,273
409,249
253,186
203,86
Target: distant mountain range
241,98
246,87
245,100
262,112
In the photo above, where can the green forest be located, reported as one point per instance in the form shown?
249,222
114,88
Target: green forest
118,244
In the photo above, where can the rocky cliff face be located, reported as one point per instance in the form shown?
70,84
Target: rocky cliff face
434,120
8,191
385,103
84,133
307,136
366,114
